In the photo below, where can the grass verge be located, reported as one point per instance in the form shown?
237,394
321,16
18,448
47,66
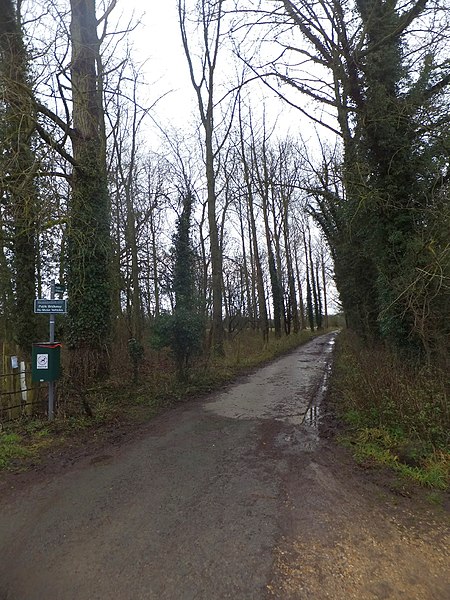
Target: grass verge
25,443
396,414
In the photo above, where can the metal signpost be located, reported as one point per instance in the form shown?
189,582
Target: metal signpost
51,307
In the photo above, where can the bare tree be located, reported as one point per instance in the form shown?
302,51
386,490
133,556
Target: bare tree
210,19
263,178
249,192
287,182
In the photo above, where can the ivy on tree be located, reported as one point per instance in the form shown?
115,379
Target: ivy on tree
183,329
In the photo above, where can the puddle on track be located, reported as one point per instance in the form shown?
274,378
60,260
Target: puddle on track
313,414
304,435
282,391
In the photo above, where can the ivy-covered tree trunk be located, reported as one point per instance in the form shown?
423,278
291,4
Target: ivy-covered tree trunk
89,241
390,93
17,170
6,289
187,329
390,146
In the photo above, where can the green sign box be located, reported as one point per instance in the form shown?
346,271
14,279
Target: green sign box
46,361
50,307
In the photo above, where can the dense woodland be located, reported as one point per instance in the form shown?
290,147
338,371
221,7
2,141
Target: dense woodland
227,226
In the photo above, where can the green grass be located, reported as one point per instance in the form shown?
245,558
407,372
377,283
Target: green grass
11,447
381,447
23,440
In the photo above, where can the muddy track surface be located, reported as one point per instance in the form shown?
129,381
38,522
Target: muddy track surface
241,495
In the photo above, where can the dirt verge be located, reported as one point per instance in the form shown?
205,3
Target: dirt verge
355,533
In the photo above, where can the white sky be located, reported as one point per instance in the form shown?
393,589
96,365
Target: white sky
157,41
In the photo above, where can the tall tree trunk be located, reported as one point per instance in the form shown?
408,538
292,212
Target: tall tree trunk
319,297
89,242
214,242
262,180
284,321
117,284
131,240
263,319
272,271
315,293
210,28
309,303
324,281
155,264
290,270
205,262
254,276
125,154
17,169
300,294
245,277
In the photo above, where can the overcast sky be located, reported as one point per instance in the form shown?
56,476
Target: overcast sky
157,41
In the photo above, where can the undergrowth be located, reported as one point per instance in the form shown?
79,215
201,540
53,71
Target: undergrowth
397,413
